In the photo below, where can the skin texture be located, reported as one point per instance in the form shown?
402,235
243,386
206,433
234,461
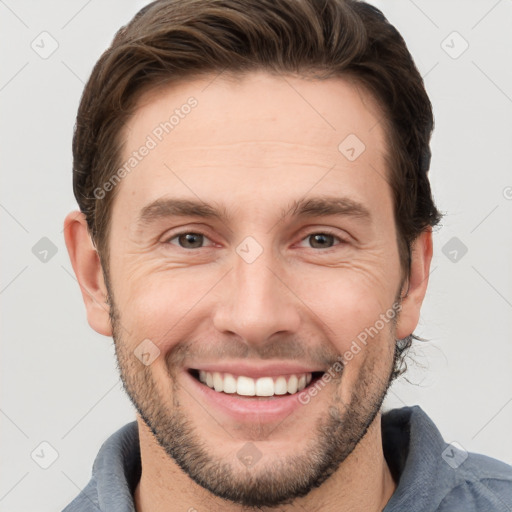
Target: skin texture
251,147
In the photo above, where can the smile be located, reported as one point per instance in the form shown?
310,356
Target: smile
247,386
251,393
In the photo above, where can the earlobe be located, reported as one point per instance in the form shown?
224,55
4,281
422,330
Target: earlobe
416,285
87,267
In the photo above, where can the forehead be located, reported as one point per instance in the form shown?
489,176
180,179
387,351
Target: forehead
260,133
327,109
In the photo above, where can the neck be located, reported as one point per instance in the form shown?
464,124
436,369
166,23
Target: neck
362,482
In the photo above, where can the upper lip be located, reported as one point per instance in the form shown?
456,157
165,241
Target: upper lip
254,371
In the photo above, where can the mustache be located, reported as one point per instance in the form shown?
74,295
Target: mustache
316,354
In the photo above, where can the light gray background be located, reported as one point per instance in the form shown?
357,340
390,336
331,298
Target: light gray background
59,383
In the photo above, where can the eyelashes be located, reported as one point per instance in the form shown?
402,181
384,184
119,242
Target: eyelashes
194,240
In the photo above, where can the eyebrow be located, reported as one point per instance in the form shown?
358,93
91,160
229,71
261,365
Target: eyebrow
169,207
307,207
323,206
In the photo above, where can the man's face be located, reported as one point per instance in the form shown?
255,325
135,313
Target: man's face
270,287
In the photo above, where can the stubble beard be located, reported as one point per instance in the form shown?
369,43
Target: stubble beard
274,480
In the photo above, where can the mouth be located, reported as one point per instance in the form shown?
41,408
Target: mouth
255,392
264,387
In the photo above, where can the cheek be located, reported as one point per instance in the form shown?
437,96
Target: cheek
157,305
354,310
348,302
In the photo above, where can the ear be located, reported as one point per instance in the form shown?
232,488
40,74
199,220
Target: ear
421,257
86,264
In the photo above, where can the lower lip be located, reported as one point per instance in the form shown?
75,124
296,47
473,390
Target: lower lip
246,410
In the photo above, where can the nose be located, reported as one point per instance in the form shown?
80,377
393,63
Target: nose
256,301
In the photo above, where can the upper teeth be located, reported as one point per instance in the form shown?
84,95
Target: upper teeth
264,386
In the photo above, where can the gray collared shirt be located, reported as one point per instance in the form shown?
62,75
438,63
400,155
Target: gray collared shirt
432,475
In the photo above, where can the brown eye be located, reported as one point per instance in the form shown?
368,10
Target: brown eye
189,240
321,240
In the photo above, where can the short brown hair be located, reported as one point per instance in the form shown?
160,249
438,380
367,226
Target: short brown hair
171,40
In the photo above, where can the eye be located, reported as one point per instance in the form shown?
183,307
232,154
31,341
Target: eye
322,240
188,240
